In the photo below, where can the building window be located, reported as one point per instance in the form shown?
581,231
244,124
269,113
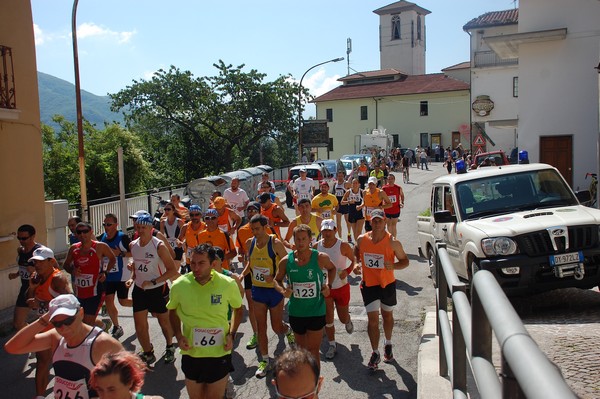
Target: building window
516,86
329,113
364,113
424,108
412,33
396,27
418,27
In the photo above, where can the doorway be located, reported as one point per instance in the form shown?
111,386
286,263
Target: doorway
558,152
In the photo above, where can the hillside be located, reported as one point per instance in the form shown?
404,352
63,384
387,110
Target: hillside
57,96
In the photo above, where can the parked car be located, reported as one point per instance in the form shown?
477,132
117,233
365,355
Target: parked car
499,158
334,166
358,157
350,165
316,171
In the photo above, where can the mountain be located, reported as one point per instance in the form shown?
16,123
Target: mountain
57,96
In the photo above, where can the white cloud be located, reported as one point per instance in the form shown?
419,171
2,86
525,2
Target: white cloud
39,35
90,29
318,83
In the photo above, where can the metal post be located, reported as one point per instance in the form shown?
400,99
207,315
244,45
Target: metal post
459,350
82,184
300,103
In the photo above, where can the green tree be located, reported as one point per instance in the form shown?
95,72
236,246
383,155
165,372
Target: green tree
222,121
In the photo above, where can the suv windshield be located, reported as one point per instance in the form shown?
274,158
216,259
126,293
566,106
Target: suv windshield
497,195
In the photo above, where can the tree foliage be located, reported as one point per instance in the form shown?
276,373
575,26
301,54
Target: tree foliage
209,125
61,161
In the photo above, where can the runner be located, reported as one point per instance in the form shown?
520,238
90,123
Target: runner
189,235
171,224
340,188
396,196
117,277
363,174
214,236
324,204
244,233
303,187
374,198
227,220
76,346
376,252
378,174
306,290
26,237
152,267
264,253
305,217
201,300
85,263
46,283
237,198
339,297
297,375
353,198
275,213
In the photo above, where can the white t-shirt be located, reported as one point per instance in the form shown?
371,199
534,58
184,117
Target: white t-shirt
303,188
236,200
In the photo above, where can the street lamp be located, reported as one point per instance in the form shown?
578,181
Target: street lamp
300,103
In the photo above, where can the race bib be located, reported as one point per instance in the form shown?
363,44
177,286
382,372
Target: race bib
224,227
208,337
172,242
339,192
303,196
259,274
326,214
354,198
360,173
305,290
114,269
66,389
84,280
24,272
373,261
392,198
369,210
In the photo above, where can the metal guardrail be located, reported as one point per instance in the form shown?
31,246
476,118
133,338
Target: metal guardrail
526,371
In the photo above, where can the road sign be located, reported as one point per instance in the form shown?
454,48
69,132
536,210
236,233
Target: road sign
479,141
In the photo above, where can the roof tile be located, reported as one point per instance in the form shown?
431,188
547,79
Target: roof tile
494,18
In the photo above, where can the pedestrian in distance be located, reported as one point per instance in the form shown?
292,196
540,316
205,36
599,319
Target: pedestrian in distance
120,375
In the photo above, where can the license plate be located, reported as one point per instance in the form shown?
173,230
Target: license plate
564,259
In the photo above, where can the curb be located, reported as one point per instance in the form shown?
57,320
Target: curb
429,383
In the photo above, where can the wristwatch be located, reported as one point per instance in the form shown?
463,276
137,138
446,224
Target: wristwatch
153,281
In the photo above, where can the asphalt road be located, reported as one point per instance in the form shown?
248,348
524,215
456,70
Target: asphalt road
346,376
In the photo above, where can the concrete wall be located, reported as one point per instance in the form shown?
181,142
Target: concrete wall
21,172
399,54
558,83
398,115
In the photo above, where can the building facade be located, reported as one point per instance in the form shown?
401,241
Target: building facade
21,166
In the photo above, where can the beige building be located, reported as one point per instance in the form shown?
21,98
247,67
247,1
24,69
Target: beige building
21,168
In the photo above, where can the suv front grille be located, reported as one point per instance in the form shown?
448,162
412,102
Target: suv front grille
539,243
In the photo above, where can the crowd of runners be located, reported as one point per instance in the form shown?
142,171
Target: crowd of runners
193,275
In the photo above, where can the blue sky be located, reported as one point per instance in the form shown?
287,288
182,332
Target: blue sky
123,40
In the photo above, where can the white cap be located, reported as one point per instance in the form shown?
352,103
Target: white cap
328,224
377,213
372,179
66,304
42,253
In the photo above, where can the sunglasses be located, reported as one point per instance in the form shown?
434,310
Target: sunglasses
66,322
306,396
194,214
107,224
82,231
168,209
210,217
23,238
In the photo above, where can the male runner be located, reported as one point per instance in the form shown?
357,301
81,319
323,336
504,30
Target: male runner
201,300
376,250
396,196
237,199
324,204
339,297
216,237
373,198
264,253
189,234
273,212
152,267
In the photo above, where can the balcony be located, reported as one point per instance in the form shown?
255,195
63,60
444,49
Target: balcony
7,79
486,59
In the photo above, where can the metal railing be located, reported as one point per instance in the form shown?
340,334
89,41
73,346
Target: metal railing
7,79
526,371
490,59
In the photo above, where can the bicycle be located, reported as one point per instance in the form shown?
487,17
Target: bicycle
593,188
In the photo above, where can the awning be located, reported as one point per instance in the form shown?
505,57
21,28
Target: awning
507,46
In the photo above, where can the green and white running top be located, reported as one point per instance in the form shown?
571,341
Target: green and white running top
306,282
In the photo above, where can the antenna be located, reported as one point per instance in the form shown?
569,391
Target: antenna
348,51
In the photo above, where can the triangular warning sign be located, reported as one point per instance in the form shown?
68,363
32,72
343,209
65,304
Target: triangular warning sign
479,140
478,151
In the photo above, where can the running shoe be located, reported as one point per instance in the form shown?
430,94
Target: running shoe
148,357
290,338
107,325
230,390
253,343
170,354
263,367
117,332
349,239
330,354
374,361
349,327
388,356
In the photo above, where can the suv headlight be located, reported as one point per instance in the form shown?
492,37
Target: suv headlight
498,246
